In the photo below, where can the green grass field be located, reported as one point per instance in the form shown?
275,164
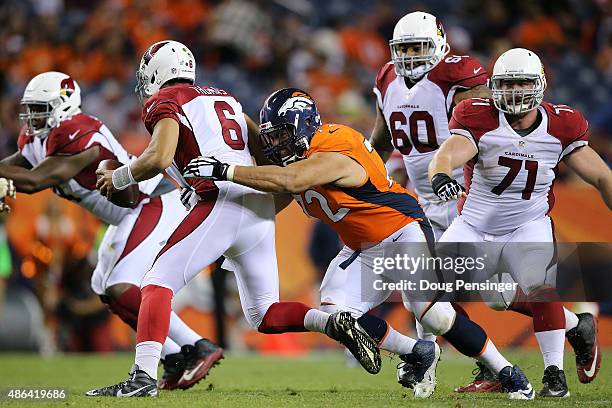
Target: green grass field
319,380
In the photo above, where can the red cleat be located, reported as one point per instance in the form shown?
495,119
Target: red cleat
485,381
199,359
583,339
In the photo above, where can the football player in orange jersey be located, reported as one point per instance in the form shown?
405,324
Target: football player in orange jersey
335,175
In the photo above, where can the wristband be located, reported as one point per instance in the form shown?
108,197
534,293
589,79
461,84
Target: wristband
230,172
122,177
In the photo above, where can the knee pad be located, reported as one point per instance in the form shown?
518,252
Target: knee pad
499,300
439,318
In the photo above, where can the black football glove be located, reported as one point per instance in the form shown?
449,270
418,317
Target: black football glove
445,187
207,168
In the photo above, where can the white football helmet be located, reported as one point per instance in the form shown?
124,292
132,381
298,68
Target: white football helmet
48,99
418,29
518,65
162,62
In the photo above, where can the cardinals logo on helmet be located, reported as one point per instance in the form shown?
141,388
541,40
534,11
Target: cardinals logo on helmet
66,87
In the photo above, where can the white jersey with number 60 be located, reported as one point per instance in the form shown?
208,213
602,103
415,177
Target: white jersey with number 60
510,180
417,117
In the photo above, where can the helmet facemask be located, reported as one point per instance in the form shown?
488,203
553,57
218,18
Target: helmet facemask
516,100
38,117
281,145
414,57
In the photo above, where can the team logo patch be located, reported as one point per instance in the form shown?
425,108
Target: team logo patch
440,28
67,87
151,51
295,103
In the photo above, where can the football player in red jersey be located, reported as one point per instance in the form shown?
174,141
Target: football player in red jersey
511,146
60,148
186,121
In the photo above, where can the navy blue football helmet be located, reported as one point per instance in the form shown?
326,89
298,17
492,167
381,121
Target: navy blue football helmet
288,120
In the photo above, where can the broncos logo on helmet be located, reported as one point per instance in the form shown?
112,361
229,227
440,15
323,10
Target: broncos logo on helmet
295,103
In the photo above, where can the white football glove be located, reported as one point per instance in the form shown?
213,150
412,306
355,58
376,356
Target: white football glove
207,168
446,188
189,197
7,189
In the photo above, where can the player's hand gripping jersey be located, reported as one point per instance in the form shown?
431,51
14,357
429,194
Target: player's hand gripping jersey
417,117
362,215
73,136
510,180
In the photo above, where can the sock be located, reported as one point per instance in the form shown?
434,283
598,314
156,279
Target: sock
397,343
466,336
282,317
492,358
148,354
424,335
571,320
169,347
315,320
180,333
551,345
154,315
521,305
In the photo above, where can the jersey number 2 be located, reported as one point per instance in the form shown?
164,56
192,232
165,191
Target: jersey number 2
400,138
230,128
515,166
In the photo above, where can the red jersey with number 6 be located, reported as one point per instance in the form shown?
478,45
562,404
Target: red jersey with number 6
417,116
510,180
211,123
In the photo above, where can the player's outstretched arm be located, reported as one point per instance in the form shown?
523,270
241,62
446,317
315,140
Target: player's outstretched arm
592,169
479,91
50,172
319,169
157,157
381,138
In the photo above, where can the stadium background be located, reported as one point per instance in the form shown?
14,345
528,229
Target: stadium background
330,48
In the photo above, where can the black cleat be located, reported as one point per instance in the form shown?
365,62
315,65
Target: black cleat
418,369
554,382
174,366
515,383
140,384
583,339
199,359
343,327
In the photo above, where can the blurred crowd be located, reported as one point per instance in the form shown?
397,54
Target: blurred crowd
333,49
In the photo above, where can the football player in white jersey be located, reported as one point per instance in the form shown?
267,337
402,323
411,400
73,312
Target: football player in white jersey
511,146
187,121
416,92
60,147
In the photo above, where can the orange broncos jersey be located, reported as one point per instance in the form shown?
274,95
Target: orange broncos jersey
364,215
